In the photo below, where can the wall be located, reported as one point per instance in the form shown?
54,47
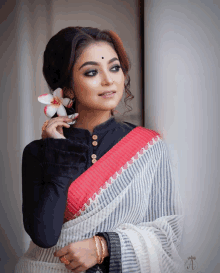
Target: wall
182,102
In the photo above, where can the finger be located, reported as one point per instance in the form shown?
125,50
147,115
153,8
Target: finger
57,135
65,125
60,130
73,265
56,124
73,116
61,251
79,269
73,260
67,120
63,118
44,135
71,122
58,120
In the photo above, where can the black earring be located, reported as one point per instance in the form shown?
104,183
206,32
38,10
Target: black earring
102,57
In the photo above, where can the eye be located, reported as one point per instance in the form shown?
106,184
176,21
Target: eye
116,68
91,73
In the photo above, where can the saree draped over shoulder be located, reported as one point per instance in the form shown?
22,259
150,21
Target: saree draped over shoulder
131,191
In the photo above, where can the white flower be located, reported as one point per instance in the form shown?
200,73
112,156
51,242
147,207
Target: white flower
55,103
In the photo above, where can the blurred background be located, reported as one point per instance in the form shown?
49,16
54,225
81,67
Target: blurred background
175,77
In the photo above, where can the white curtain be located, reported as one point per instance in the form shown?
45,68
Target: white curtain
24,31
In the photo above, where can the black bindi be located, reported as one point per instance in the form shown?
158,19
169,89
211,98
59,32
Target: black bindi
102,57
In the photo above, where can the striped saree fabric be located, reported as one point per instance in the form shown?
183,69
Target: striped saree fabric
140,202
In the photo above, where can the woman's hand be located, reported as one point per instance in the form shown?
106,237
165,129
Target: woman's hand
55,126
82,255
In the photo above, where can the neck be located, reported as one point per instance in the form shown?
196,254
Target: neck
89,120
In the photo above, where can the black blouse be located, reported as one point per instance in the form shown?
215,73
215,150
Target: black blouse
48,168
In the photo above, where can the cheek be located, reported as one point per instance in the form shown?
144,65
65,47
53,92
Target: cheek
95,82
86,90
86,86
88,83
121,80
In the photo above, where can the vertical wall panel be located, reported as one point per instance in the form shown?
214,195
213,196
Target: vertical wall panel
182,102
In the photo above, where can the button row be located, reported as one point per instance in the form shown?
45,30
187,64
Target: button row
94,156
94,143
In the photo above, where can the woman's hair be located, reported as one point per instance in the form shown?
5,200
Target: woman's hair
63,50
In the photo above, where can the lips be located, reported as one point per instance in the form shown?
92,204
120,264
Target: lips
107,92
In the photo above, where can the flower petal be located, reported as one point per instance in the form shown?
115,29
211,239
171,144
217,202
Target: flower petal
45,98
61,111
67,102
58,93
50,110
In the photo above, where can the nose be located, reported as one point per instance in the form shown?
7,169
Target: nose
107,79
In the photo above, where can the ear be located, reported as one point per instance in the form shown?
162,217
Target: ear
69,93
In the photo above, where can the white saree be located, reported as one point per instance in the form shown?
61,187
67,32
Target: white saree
141,203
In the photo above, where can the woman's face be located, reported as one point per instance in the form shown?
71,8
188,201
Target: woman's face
98,70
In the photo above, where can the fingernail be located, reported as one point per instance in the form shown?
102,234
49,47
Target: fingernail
71,122
73,115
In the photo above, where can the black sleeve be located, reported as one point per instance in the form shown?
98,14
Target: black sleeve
48,168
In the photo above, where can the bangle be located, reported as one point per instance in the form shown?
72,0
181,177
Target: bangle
45,125
98,259
103,249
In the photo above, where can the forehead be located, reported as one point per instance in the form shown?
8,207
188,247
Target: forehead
96,51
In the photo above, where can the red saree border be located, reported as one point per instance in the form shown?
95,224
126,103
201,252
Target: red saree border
88,184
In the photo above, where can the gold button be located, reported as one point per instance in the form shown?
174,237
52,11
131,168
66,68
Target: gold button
94,160
93,156
94,137
94,143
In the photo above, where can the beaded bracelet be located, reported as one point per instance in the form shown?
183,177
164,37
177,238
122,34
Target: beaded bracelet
99,259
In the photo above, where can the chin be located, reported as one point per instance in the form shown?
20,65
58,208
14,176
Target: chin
109,106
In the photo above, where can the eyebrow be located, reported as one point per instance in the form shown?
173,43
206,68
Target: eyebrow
95,63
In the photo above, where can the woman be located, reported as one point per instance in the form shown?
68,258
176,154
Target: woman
98,193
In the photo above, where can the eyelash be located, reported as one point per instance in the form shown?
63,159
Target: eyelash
87,73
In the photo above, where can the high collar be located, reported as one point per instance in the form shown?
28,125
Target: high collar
99,130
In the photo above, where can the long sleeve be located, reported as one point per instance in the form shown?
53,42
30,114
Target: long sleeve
48,168
152,244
